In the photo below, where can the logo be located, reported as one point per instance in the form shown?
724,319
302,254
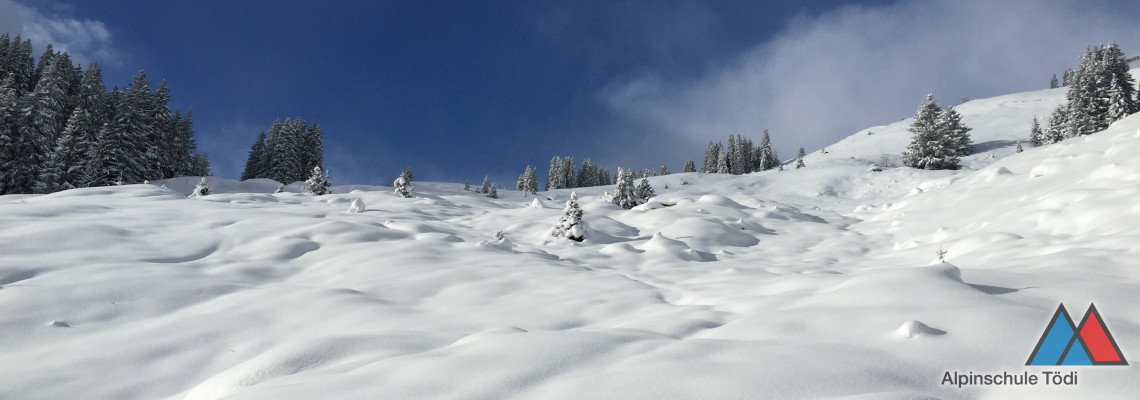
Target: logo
1064,343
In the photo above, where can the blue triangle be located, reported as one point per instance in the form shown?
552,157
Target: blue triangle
1053,345
1077,354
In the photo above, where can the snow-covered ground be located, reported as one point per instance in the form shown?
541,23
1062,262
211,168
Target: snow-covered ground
821,282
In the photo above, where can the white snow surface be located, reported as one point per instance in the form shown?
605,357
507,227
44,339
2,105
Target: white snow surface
821,282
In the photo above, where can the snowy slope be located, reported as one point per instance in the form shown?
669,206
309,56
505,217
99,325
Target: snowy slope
813,283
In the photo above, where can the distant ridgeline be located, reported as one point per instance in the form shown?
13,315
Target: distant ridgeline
288,153
61,129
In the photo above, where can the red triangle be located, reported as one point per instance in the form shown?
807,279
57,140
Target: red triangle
1099,341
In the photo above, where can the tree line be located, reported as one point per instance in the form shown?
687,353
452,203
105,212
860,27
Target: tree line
288,153
1100,91
61,129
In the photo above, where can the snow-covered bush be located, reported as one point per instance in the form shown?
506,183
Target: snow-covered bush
319,182
280,188
570,224
201,189
404,188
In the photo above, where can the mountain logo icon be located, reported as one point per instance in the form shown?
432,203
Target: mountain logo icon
1064,343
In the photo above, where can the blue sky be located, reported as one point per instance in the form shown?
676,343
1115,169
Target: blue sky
463,89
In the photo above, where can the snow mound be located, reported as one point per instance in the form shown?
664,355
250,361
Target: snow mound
912,328
357,206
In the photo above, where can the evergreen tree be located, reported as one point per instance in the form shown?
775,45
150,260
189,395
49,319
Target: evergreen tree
521,185
487,186
319,182
588,175
404,187
712,155
624,195
570,224
571,179
467,186
768,158
1054,83
663,171
557,176
644,191
1018,149
530,181
201,164
958,135
253,164
604,177
493,193
63,170
128,132
930,147
1036,136
733,155
722,163
201,189
1058,126
800,158
689,167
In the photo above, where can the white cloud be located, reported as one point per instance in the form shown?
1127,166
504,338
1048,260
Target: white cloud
826,77
85,40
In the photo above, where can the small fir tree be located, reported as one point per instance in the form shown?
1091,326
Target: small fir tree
644,191
404,187
201,189
570,224
690,167
800,158
319,182
624,195
486,187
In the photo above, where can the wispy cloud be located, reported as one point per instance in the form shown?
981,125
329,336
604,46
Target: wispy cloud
85,40
826,77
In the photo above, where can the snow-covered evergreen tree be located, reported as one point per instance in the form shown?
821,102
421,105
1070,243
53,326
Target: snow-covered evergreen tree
556,178
201,189
588,175
530,181
404,187
493,192
1058,126
1018,149
733,155
722,163
63,170
931,147
958,134
644,191
1053,84
624,195
800,158
1036,135
467,186
712,156
690,166
570,224
571,178
319,182
767,157
280,188
485,188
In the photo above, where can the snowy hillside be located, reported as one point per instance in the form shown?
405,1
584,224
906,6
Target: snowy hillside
820,282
